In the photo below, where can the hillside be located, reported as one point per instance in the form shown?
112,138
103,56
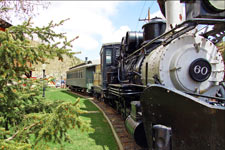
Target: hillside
56,68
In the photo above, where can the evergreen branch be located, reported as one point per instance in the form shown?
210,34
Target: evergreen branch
12,137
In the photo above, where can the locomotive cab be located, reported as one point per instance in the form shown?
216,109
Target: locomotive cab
107,71
109,53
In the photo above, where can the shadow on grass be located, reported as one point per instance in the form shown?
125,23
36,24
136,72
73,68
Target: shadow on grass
69,93
103,135
88,105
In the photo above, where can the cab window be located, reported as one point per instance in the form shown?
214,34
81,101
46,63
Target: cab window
108,56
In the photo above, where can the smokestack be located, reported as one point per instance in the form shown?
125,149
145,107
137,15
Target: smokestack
174,13
86,58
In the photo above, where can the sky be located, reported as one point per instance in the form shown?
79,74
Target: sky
96,22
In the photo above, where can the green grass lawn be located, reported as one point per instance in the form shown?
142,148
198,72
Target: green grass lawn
100,139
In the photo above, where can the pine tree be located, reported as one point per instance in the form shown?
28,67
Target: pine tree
23,112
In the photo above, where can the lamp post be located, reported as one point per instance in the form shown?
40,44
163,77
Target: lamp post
43,68
61,81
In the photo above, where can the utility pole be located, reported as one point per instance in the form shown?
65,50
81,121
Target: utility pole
146,19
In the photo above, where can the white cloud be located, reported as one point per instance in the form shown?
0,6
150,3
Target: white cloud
88,20
116,35
86,42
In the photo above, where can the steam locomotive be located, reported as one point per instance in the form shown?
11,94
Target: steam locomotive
168,82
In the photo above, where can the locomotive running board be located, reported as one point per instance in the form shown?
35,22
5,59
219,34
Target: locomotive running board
195,124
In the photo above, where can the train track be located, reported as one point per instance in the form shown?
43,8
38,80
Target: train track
124,140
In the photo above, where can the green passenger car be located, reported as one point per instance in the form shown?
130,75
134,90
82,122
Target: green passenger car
81,77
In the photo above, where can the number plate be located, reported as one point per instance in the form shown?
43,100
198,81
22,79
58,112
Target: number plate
200,70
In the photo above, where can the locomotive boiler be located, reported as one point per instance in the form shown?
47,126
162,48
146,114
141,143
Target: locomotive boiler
168,81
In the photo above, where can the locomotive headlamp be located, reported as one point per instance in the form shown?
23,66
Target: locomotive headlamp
215,5
205,9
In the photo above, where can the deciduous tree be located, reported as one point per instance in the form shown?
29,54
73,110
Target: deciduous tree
22,9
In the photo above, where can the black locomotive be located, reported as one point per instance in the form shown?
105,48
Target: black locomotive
168,82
